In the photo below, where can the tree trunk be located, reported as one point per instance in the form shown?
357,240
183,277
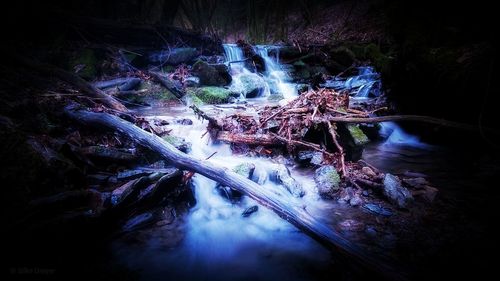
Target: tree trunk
295,214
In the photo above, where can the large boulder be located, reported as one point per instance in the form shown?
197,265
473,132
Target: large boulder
327,180
249,85
396,193
212,75
281,175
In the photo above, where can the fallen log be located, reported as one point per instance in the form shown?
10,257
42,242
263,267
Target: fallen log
167,83
419,118
255,139
73,80
295,214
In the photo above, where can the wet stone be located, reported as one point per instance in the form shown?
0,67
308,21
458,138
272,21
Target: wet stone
250,210
377,209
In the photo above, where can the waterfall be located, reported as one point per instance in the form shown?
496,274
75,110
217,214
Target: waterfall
275,74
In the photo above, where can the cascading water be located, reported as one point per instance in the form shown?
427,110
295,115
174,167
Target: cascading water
242,78
220,242
275,74
275,78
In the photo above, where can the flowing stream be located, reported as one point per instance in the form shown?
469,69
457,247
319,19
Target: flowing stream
216,239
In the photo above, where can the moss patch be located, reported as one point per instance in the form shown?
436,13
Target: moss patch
357,134
209,95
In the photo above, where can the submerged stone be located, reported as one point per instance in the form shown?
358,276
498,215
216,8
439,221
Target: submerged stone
250,210
396,192
327,180
377,209
179,143
245,169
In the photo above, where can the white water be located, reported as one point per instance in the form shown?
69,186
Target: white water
275,78
219,241
275,73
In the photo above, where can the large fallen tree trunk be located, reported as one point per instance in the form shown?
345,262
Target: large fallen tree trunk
419,118
295,214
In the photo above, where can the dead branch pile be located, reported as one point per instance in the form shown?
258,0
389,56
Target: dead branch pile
288,125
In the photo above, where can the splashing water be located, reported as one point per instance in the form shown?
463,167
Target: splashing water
275,73
394,135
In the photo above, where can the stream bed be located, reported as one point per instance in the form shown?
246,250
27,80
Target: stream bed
217,239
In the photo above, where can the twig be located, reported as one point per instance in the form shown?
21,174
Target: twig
331,129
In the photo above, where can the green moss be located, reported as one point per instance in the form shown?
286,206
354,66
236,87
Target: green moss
357,134
209,95
244,169
86,64
178,142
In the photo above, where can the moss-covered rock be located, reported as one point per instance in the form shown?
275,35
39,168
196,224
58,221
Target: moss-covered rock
250,85
358,137
212,75
327,180
208,95
245,169
281,175
179,143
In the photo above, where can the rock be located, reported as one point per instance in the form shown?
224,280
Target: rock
327,180
346,194
179,143
212,75
245,169
281,175
342,58
132,174
351,225
356,200
368,171
249,211
173,56
209,95
428,193
418,183
192,81
123,192
166,216
377,209
249,85
398,194
184,121
285,52
357,135
309,156
138,221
